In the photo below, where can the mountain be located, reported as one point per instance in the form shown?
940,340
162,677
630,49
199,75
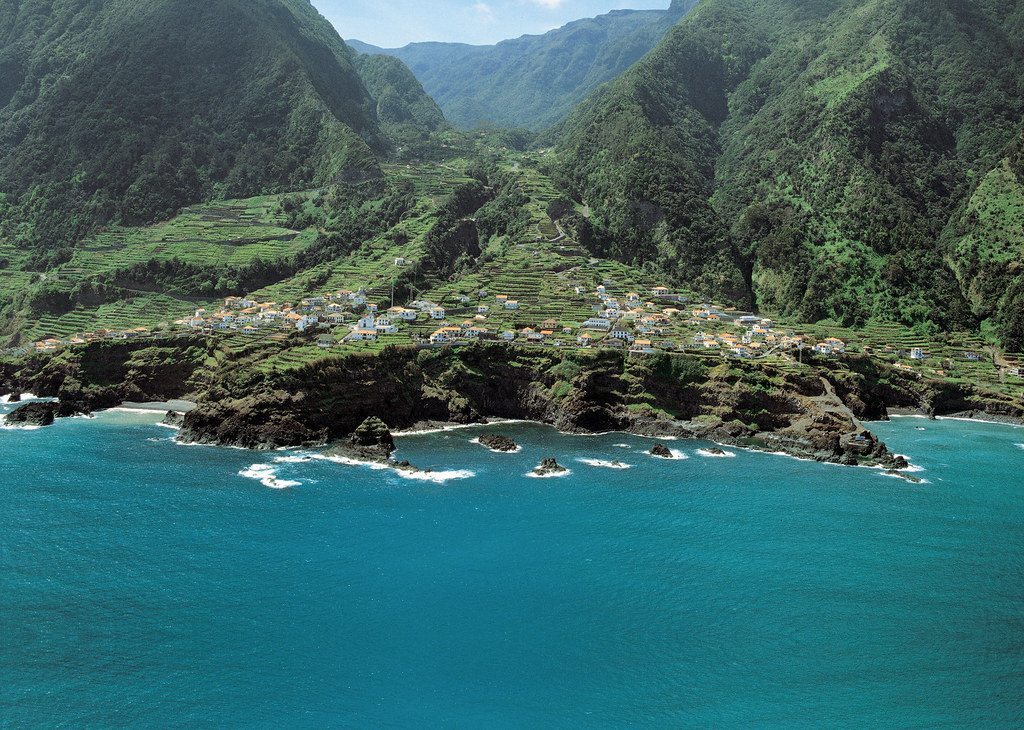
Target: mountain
535,80
810,155
404,111
125,110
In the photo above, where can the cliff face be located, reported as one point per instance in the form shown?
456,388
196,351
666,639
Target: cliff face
573,391
814,414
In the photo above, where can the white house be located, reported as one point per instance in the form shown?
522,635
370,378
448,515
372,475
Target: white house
916,353
363,334
598,323
437,313
511,304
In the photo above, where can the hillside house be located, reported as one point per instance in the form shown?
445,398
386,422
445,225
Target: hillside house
597,323
363,334
916,353
437,313
511,304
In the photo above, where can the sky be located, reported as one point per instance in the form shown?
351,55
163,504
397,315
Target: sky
393,23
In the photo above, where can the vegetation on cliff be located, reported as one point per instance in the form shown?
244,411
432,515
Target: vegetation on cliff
126,111
808,156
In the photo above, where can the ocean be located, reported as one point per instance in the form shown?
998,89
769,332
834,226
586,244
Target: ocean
149,584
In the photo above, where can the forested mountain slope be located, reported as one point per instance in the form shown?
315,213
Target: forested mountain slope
535,80
125,110
809,154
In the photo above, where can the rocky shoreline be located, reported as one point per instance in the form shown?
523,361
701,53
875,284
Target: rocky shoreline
816,414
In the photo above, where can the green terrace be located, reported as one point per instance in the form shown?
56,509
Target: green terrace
219,234
144,310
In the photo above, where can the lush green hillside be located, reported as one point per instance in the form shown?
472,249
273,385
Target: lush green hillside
126,110
816,149
407,116
533,81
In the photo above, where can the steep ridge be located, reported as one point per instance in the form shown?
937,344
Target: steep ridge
806,156
535,80
118,110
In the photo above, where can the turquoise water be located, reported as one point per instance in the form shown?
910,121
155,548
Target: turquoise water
149,584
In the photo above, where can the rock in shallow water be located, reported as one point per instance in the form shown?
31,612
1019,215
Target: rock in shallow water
497,443
661,450
34,413
548,466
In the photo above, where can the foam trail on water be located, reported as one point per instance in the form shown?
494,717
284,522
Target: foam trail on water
438,477
677,455
605,464
723,455
266,474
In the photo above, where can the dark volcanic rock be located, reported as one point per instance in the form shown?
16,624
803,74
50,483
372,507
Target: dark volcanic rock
661,450
373,432
715,451
173,418
34,413
14,397
372,442
496,442
548,466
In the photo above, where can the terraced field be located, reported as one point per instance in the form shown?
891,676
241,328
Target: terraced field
222,234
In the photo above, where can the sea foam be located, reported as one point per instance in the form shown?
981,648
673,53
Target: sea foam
532,475
723,455
438,477
266,474
605,464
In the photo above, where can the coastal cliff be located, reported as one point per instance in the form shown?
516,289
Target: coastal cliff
579,392
814,413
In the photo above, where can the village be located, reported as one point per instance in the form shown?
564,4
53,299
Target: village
641,323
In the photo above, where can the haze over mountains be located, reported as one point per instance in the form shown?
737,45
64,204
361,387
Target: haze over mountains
535,80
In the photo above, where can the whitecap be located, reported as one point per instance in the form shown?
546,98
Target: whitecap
534,475
294,459
677,455
624,446
723,455
24,396
438,477
266,474
15,427
899,475
456,427
425,475
605,464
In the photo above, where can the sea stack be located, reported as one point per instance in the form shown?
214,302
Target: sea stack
548,466
661,450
